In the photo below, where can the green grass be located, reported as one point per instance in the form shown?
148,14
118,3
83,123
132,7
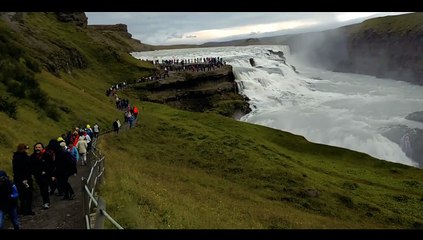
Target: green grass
400,25
180,169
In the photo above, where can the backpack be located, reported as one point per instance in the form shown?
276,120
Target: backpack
8,194
4,182
71,162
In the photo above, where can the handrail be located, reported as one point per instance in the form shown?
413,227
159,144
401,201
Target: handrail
91,196
95,176
111,219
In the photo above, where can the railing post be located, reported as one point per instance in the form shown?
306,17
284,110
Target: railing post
99,217
98,174
101,166
92,181
85,208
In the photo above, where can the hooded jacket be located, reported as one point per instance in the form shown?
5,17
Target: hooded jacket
8,193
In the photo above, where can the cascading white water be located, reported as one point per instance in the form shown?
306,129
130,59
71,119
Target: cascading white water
406,145
339,109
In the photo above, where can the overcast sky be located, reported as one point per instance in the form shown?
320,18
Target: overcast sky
199,27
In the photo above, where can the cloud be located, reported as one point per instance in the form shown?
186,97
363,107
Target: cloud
342,17
211,34
180,27
175,35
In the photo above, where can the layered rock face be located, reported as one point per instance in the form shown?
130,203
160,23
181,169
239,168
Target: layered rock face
214,90
120,28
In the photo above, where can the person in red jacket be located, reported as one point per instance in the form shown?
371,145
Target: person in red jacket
135,111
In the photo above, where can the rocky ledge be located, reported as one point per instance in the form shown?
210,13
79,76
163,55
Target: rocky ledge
210,91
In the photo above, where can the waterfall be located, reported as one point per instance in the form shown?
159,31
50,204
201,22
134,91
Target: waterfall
333,108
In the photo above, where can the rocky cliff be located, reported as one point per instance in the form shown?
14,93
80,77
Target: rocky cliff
120,37
387,47
214,91
78,18
119,28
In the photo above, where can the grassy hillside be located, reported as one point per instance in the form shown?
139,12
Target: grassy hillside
75,92
394,25
180,169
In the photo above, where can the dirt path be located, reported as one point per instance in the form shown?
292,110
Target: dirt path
63,214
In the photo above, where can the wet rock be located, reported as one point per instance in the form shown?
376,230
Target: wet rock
415,116
252,63
409,139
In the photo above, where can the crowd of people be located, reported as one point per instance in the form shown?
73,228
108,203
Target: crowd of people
165,66
50,166
193,65
115,87
130,113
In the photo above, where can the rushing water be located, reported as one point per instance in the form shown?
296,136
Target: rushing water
340,109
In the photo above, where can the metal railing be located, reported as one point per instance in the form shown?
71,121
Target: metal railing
94,207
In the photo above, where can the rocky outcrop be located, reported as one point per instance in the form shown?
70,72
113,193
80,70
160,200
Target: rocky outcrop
66,59
409,139
214,90
415,116
120,28
252,63
280,54
118,36
78,18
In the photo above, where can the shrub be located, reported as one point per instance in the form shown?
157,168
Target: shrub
16,89
33,65
345,200
52,112
8,107
38,96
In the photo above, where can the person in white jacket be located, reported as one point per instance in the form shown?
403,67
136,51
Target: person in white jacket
82,150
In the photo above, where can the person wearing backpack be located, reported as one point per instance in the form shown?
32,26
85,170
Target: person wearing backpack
8,200
65,166
23,178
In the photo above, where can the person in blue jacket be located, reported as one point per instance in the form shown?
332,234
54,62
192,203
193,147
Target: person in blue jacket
8,200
